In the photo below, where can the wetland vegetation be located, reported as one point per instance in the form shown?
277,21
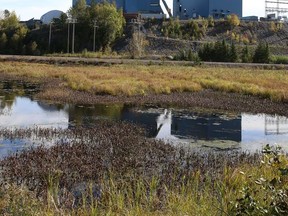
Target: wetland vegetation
113,168
130,80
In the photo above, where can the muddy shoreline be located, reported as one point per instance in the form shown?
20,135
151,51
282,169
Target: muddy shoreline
119,61
206,99
52,90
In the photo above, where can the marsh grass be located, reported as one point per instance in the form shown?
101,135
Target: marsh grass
132,80
188,196
112,169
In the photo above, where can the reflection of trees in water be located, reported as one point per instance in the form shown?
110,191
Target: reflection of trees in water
11,89
82,115
7,95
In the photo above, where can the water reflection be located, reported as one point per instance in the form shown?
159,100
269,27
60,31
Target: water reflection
205,130
27,113
164,123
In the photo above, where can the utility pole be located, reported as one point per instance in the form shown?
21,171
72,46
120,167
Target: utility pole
73,35
94,36
50,35
68,21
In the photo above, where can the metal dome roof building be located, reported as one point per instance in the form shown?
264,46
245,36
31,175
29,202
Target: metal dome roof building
49,16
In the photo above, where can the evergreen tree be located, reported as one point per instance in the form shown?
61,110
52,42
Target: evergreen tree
233,53
262,53
207,52
245,56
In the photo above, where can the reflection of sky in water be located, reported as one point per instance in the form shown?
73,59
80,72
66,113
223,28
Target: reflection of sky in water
255,131
245,131
27,113
259,130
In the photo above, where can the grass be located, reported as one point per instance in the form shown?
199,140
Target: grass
145,177
132,80
112,169
86,54
141,80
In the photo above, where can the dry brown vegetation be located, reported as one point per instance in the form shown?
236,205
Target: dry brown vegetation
112,169
129,80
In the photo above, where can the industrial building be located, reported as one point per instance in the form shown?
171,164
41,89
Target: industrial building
147,8
184,9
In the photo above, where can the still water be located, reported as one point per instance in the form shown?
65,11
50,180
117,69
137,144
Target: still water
217,131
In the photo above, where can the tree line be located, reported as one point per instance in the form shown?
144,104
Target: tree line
223,52
17,38
220,51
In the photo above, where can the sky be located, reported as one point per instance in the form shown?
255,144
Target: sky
253,7
28,9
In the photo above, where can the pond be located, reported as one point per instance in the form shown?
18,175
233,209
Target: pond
180,127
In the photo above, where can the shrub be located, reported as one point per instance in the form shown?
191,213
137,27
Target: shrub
188,55
173,29
233,20
137,45
211,22
264,194
279,59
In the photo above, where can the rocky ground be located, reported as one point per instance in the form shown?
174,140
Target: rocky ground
254,31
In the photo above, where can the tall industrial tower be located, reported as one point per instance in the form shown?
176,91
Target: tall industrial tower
276,6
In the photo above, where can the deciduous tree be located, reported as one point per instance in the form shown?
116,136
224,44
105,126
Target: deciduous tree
233,20
110,23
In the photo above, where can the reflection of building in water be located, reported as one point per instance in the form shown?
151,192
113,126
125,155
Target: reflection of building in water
190,125
207,127
164,125
276,125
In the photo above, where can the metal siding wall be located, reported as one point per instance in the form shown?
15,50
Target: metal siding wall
226,7
119,3
131,6
134,6
202,8
198,7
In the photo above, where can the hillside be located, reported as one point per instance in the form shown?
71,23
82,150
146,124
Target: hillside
247,33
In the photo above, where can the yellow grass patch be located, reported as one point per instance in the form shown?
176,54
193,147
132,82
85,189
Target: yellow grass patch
141,80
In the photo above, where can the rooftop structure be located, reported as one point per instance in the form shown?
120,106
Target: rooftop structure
276,6
49,16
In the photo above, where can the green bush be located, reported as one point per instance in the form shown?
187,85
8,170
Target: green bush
279,59
265,195
188,55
